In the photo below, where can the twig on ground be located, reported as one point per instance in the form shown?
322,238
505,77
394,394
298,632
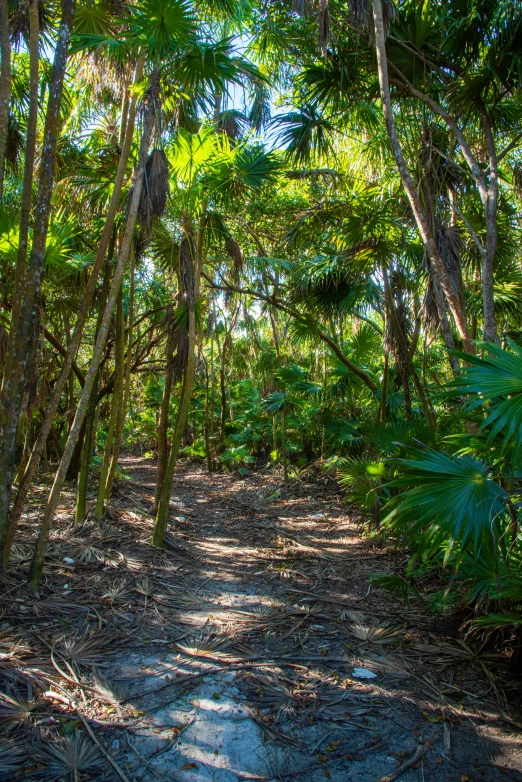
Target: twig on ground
417,755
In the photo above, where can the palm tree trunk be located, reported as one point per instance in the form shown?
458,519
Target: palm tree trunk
128,365
163,422
76,336
5,84
206,429
490,250
88,440
117,395
437,263
162,514
13,382
27,188
91,416
222,385
160,525
384,398
37,563
283,447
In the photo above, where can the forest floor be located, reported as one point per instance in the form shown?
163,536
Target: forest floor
251,648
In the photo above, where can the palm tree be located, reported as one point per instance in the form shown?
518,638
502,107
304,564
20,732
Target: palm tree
5,85
19,345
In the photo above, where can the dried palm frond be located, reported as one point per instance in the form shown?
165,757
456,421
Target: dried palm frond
68,754
104,528
324,26
88,554
10,645
117,591
443,650
109,691
155,189
89,647
144,587
20,553
13,755
381,664
14,710
204,644
50,606
182,598
375,634
354,616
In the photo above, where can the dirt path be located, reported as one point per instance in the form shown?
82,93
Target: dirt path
278,608
253,646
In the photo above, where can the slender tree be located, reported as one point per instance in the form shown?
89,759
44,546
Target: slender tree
13,381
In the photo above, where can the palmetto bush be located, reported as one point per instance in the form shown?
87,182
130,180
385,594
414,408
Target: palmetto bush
461,509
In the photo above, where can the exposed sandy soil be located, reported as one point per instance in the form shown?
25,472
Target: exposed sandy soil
233,654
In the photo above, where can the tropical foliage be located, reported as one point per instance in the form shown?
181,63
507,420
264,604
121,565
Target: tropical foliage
277,236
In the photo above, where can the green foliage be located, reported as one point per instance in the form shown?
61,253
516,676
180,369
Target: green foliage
448,497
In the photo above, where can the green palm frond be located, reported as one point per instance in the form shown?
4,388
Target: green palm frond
278,402
454,497
304,133
162,25
296,379
495,382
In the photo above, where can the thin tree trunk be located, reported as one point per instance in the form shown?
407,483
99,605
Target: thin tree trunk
91,416
222,385
13,382
162,515
27,188
445,326
83,476
283,447
37,563
163,422
490,250
5,85
117,391
437,263
118,395
208,450
128,365
384,398
212,389
78,329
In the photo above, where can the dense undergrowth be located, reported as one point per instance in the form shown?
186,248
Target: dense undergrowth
272,235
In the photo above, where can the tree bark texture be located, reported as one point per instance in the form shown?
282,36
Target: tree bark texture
13,382
54,496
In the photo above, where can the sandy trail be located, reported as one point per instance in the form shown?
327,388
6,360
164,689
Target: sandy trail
251,647
255,673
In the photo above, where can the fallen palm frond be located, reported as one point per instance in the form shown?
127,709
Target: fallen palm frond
204,644
375,634
88,554
385,665
13,756
298,697
117,591
144,587
20,554
109,691
56,606
89,647
443,650
14,711
179,598
67,755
